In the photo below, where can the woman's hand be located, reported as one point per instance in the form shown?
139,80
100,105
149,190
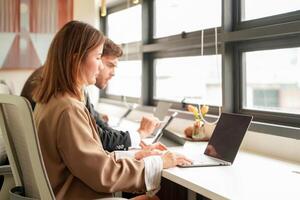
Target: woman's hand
157,145
172,159
145,153
169,159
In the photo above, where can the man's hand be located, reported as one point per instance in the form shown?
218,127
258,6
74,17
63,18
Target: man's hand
147,126
104,117
157,145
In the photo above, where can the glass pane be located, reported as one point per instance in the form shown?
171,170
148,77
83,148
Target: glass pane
175,16
254,9
272,80
127,80
126,25
197,77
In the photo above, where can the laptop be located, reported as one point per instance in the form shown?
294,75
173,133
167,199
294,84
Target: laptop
162,109
160,112
127,112
225,141
158,133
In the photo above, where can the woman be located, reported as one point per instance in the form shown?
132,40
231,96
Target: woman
77,166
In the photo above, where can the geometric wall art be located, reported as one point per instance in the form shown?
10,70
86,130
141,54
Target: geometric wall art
27,28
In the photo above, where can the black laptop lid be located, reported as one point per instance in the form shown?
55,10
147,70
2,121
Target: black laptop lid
228,136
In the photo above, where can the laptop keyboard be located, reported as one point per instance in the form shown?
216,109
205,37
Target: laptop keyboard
205,159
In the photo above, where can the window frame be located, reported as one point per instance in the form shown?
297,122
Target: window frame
285,119
234,38
264,21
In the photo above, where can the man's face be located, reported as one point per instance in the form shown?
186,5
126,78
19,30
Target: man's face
108,71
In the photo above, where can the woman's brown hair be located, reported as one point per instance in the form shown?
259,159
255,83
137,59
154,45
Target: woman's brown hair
68,50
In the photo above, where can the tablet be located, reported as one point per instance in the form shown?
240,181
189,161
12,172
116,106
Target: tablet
159,132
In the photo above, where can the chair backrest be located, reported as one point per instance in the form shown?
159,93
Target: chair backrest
4,89
3,156
22,146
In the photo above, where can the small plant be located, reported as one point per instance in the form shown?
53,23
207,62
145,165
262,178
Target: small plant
197,130
203,109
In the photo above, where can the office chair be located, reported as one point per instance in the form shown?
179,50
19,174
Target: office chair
6,177
4,88
23,150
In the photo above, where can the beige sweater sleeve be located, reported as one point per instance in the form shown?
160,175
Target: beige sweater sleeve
86,159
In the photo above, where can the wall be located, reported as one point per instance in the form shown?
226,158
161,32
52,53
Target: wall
15,79
87,11
84,10
273,146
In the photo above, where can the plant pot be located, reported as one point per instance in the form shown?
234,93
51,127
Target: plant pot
199,131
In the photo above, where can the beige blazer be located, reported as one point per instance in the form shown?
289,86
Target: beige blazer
77,165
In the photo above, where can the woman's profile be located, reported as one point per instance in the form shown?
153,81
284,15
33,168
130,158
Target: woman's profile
77,165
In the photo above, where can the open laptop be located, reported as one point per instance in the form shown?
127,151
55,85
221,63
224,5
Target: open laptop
158,133
225,141
127,112
162,109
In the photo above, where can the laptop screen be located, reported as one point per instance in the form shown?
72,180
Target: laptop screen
162,109
227,136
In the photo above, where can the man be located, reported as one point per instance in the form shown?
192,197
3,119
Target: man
111,139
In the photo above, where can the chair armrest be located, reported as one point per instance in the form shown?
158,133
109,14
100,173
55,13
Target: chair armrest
5,169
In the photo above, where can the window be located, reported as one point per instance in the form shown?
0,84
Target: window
254,9
127,80
175,16
197,77
272,80
265,98
256,71
126,25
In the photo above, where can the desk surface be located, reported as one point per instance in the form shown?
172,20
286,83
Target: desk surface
251,176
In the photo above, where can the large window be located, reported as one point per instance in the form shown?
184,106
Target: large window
175,16
125,26
256,71
197,78
254,9
127,80
272,80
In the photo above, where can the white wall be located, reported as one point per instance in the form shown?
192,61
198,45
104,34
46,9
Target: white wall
273,146
15,79
87,11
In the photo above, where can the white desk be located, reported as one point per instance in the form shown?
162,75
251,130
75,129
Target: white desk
251,176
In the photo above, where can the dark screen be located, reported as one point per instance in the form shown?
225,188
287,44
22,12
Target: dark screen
227,136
